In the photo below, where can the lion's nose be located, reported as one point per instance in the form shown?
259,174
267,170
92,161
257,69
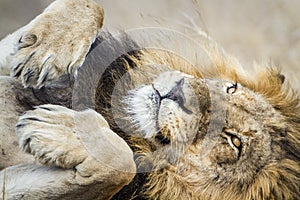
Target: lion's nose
176,94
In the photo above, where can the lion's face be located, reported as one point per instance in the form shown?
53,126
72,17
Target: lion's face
220,130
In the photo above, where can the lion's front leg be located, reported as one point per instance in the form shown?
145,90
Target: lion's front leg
78,141
54,43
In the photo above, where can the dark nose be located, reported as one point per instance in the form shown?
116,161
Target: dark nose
176,94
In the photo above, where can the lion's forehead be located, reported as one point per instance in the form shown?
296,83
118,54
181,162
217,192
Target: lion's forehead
251,103
248,111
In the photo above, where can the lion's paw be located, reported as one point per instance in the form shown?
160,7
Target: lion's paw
48,133
58,136
56,42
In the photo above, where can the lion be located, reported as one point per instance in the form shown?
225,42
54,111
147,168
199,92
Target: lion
160,127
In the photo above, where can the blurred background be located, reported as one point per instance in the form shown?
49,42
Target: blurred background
260,31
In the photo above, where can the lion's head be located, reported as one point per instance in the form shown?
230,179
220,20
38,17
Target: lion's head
212,134
216,138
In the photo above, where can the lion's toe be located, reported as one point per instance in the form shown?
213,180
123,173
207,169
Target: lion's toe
48,134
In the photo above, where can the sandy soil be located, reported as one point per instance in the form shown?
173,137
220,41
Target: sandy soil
253,31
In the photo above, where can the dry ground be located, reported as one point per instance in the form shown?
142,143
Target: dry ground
257,30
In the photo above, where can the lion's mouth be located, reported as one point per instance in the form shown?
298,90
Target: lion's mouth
144,103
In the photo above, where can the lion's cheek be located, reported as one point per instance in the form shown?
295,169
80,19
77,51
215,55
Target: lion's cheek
222,154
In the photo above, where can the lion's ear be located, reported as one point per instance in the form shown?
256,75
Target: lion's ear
281,78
